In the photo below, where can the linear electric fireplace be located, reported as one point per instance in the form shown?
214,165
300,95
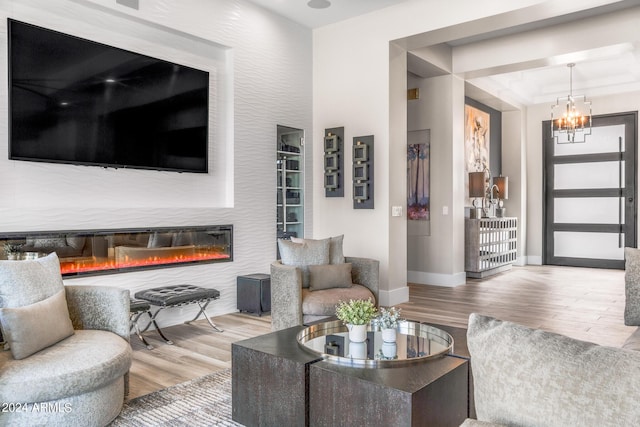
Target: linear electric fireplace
92,252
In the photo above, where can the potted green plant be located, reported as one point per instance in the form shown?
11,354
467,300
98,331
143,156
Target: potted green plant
356,315
12,250
388,321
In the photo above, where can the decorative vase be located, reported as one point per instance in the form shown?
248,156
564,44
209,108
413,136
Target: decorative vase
389,350
358,350
389,335
357,333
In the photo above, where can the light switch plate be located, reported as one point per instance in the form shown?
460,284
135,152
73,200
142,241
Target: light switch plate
396,210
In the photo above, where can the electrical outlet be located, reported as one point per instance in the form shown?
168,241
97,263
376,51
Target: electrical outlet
445,210
396,210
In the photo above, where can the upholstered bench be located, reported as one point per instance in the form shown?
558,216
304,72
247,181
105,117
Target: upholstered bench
177,296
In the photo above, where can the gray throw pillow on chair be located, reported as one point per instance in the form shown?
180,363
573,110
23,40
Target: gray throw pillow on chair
25,283
33,327
302,255
329,276
336,253
30,281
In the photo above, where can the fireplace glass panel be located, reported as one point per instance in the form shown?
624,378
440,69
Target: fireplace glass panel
89,252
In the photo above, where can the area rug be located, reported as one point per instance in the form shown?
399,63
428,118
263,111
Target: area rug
204,401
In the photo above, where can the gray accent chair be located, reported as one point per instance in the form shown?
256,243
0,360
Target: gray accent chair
288,295
632,296
82,380
528,377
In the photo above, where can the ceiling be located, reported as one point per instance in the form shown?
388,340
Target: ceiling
604,71
298,11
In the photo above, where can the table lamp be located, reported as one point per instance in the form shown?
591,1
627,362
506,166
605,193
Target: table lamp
500,192
476,189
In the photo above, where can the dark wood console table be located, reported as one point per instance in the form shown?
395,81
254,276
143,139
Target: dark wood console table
270,375
276,382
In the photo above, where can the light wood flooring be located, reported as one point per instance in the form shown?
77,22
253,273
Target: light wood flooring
583,303
197,350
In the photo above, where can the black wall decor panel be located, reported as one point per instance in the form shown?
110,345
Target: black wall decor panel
363,188
334,162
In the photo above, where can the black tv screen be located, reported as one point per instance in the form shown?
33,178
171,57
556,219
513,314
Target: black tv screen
76,101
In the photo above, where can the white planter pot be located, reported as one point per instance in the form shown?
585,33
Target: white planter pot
389,335
389,350
357,333
358,350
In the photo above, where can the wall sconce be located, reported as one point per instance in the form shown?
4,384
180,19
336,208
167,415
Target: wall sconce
500,192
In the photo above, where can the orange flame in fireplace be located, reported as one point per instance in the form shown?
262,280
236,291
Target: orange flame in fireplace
72,266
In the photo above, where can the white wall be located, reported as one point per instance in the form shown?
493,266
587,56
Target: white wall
438,258
261,76
514,167
340,99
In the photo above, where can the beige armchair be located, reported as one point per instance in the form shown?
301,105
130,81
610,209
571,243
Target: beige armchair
292,304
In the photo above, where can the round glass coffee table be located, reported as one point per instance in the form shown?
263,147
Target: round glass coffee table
415,342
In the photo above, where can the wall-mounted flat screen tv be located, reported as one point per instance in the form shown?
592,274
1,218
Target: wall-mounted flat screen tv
76,101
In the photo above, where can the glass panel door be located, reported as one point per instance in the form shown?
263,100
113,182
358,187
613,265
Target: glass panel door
590,193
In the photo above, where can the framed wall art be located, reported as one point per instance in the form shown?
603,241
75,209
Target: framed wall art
362,171
482,141
418,181
334,162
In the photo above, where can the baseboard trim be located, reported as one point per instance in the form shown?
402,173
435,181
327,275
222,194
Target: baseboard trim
438,279
534,260
520,261
393,297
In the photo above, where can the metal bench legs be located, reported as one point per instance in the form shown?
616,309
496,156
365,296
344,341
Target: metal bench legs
157,328
134,325
202,312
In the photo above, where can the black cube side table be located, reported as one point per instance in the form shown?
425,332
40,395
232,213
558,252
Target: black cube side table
254,293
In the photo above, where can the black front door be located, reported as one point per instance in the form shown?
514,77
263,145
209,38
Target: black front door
590,194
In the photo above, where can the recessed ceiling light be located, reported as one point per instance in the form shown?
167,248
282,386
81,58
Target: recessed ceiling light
319,4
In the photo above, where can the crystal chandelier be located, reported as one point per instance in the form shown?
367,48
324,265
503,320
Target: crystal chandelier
569,123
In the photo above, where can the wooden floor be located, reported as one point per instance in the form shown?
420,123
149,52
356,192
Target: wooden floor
582,303
197,350
587,304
